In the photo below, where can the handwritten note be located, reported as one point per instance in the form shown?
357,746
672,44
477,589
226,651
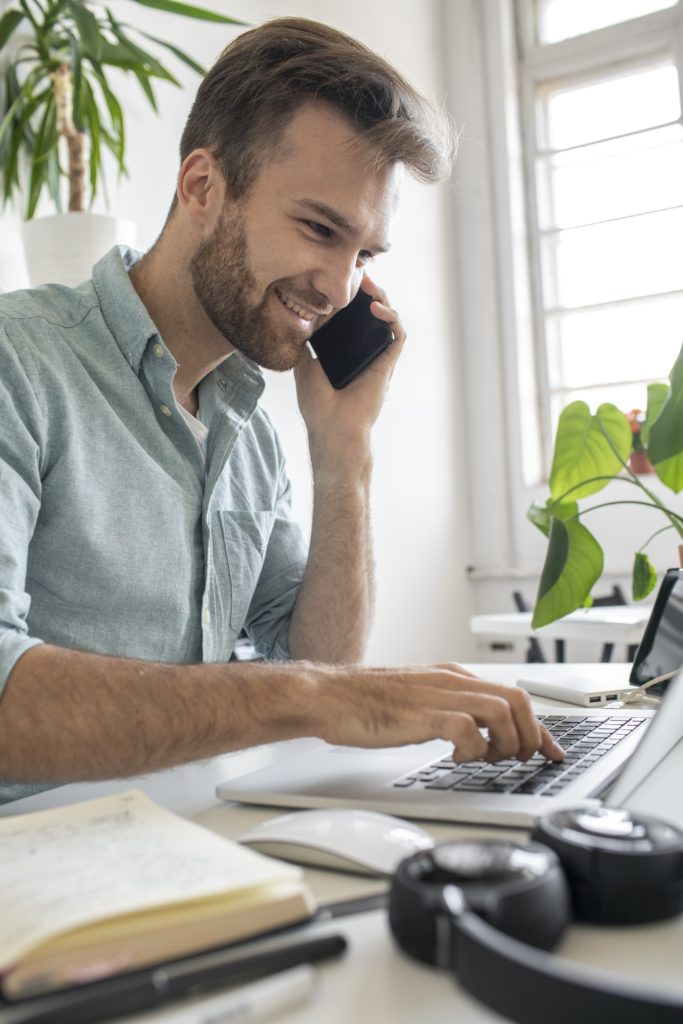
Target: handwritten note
68,867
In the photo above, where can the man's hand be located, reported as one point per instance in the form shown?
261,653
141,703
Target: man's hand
348,415
386,707
66,715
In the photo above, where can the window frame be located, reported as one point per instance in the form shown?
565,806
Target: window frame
641,40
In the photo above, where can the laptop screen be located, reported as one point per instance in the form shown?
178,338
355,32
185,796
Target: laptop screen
661,649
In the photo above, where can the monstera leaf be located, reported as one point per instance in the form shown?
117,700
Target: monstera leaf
573,564
542,515
644,576
665,443
589,449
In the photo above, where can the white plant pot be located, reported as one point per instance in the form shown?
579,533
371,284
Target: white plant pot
62,248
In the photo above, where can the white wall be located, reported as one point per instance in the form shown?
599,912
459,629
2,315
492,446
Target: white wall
419,500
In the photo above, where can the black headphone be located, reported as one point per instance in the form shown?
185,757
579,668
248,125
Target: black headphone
479,909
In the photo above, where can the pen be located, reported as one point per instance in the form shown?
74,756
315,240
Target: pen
253,1002
147,989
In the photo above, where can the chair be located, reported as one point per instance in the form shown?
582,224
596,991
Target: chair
534,651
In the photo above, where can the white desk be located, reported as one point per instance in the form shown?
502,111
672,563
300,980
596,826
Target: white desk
375,982
621,624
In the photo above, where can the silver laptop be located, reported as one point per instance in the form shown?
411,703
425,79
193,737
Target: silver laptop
609,753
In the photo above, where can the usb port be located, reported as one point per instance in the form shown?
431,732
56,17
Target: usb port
612,696
594,700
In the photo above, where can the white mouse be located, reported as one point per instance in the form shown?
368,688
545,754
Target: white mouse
362,842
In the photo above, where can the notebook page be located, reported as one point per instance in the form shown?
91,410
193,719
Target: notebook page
70,866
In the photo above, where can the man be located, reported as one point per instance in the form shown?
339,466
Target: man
144,500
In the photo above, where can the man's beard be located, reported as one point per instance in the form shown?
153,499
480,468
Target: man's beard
224,281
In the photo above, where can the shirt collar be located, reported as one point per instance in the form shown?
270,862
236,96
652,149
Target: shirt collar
124,312
128,319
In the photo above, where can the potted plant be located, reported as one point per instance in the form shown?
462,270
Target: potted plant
59,110
592,451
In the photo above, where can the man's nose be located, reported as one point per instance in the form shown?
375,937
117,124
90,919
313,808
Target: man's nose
338,281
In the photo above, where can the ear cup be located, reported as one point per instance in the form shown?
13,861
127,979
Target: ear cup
520,890
622,868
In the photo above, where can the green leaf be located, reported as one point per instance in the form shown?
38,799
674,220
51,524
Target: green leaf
146,88
8,23
657,395
46,139
184,57
54,175
573,564
586,447
644,576
541,515
190,11
117,141
665,448
117,56
92,116
77,76
87,26
146,61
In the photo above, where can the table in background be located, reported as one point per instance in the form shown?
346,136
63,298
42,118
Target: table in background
375,983
617,624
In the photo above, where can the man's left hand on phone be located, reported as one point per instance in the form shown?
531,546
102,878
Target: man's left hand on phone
349,414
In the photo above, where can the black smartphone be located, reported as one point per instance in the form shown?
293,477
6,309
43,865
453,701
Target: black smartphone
350,340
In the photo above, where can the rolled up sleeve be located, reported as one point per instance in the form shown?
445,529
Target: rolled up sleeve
273,601
20,492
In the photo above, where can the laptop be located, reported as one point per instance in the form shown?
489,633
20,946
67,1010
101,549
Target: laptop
609,753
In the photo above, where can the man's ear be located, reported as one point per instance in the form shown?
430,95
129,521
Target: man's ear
201,187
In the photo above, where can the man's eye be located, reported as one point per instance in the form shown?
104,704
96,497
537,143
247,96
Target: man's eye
319,229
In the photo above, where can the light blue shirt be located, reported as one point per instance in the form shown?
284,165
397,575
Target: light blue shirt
116,536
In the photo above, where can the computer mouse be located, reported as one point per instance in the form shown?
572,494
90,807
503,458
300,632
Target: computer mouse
362,842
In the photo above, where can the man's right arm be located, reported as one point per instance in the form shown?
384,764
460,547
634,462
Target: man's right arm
68,715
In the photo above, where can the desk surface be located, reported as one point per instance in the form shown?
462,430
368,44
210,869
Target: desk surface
613,624
375,982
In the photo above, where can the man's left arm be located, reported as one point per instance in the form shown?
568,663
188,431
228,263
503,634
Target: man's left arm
334,608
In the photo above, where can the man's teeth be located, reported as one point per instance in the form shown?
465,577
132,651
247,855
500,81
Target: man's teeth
305,314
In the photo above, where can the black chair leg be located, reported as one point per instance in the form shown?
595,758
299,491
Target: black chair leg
607,651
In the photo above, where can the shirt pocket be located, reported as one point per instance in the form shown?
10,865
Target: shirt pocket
245,536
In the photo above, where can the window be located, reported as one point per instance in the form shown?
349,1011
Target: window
601,98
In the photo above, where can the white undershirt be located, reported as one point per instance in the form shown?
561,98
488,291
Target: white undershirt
199,430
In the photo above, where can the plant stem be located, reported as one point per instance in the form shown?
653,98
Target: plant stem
655,534
605,504
678,526
75,139
583,483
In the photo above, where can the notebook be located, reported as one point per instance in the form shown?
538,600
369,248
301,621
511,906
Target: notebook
421,781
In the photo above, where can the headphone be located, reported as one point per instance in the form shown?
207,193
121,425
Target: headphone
489,912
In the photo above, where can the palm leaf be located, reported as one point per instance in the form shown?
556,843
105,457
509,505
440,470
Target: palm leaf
45,140
8,23
88,27
184,57
190,11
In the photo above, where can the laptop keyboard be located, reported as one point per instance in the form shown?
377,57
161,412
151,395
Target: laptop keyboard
584,739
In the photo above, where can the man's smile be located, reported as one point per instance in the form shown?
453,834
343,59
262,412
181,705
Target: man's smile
302,311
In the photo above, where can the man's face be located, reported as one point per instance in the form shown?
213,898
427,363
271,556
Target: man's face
292,251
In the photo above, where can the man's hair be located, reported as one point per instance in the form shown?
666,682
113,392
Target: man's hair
267,74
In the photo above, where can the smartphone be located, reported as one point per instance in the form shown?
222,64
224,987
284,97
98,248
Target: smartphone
350,340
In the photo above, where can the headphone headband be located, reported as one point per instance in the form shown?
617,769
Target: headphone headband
483,909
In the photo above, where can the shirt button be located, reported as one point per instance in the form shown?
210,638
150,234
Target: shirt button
158,350
166,411
206,616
